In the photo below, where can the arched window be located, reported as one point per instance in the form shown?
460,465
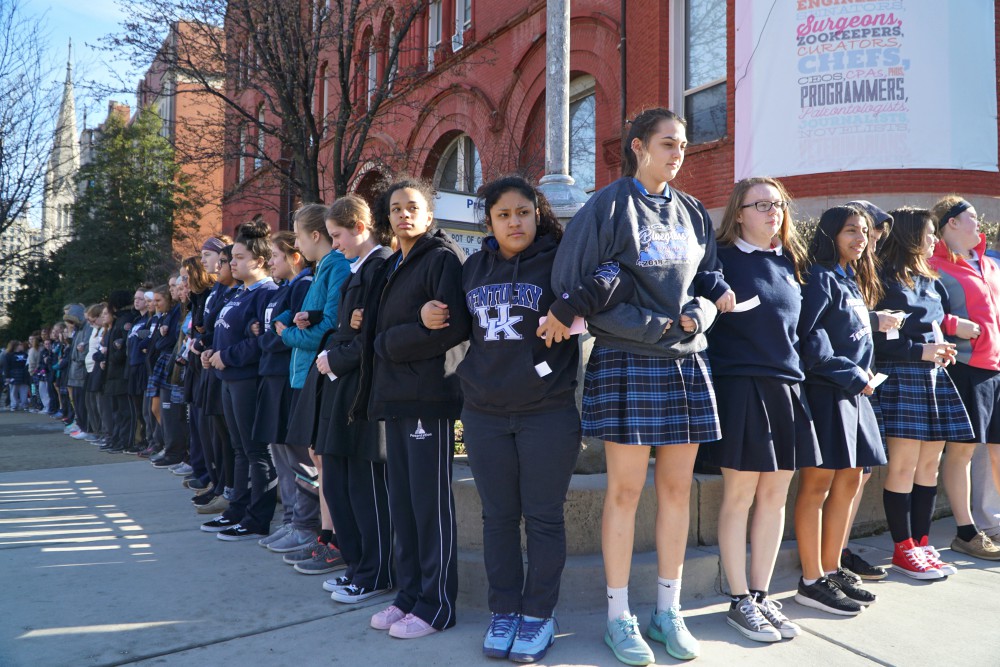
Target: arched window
583,132
460,169
258,158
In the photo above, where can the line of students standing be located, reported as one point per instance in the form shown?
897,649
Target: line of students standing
342,384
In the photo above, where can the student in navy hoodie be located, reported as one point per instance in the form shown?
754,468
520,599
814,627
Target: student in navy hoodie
353,451
15,373
408,381
767,431
237,357
835,328
274,395
921,408
220,464
522,426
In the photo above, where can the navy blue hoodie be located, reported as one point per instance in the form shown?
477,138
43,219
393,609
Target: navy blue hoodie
835,330
275,356
238,348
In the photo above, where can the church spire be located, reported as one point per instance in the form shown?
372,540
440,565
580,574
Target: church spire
64,162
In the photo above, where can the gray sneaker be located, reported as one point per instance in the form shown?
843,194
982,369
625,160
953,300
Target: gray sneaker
278,533
325,559
772,612
751,622
303,554
293,540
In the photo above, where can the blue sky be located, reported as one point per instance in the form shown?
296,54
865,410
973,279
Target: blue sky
86,21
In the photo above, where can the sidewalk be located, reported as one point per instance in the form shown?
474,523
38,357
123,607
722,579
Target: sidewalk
103,564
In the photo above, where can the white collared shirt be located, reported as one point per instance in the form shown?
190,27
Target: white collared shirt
356,266
748,247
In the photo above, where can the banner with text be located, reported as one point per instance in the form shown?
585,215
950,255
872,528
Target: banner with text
844,85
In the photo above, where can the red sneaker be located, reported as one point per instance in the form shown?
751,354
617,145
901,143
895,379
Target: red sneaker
909,559
934,558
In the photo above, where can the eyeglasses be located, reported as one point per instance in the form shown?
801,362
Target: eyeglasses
764,206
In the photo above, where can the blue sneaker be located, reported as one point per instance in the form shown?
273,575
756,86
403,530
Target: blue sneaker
624,639
500,635
668,627
534,637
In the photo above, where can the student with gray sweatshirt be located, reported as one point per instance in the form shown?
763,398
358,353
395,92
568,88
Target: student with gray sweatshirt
648,382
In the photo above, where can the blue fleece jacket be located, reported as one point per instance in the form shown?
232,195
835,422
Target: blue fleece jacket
323,294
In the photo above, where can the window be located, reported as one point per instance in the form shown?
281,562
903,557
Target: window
258,158
391,79
463,21
372,71
433,31
322,107
703,40
460,169
583,133
242,153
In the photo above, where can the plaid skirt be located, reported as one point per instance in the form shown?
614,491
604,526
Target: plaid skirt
919,401
158,378
633,399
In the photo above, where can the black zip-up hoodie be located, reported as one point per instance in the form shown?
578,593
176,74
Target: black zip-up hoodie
508,367
408,370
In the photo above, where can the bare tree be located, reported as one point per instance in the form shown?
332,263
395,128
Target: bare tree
272,63
27,109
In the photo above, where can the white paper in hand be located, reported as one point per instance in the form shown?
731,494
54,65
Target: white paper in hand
542,369
877,380
892,334
749,304
579,325
938,334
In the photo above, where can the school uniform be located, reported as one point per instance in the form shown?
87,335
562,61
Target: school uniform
254,477
407,379
837,352
646,384
214,432
918,400
355,483
973,287
274,400
137,378
766,422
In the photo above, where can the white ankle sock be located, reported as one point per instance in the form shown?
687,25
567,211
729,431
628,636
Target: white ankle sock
668,594
809,582
618,602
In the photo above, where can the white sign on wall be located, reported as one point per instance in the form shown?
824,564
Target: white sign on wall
844,85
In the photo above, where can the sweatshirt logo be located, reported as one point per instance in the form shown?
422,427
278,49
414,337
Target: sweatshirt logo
491,305
660,244
420,433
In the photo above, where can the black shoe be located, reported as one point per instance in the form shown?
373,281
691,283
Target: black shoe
218,524
203,499
194,484
106,447
825,596
859,566
163,463
851,585
239,533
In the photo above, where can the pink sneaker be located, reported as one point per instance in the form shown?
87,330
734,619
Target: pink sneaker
385,618
411,627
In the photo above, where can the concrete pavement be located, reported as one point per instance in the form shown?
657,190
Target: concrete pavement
103,564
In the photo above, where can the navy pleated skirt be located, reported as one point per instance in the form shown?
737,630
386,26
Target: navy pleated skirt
846,427
766,426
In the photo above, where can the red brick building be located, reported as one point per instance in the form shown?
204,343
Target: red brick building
477,109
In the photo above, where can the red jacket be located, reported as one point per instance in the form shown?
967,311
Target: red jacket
972,296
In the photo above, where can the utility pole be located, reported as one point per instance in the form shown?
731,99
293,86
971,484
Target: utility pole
558,186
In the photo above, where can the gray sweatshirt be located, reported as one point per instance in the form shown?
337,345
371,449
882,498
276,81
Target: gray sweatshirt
667,246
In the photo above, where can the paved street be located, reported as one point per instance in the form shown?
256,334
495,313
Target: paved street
103,564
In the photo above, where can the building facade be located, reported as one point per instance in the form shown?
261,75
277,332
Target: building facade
192,120
474,108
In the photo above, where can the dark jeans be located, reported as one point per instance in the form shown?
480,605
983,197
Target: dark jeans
522,464
173,422
358,497
254,479
419,454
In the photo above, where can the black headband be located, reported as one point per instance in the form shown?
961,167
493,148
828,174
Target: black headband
954,211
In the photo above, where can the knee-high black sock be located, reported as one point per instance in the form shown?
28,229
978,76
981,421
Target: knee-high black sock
897,514
921,510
